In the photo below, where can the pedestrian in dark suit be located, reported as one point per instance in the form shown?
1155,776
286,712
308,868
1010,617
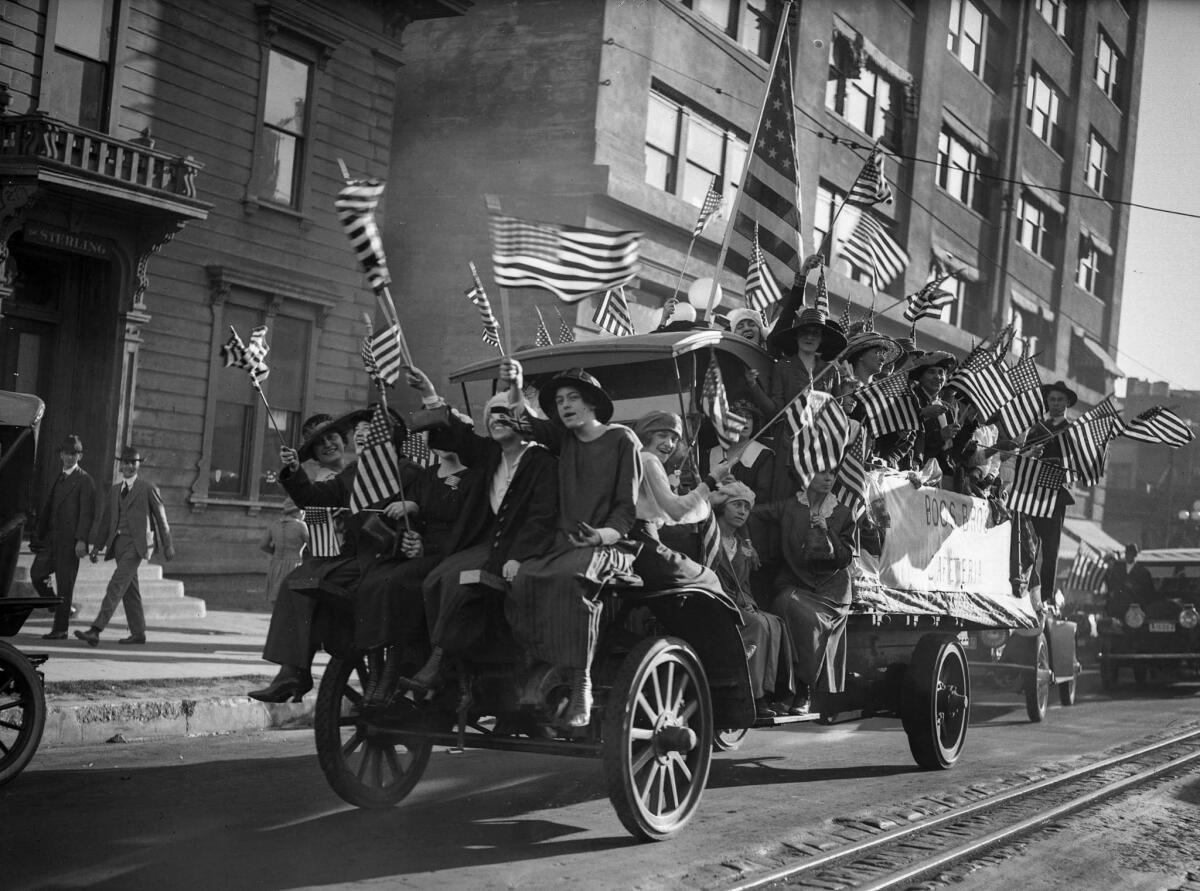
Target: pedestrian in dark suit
134,520
62,532
1047,434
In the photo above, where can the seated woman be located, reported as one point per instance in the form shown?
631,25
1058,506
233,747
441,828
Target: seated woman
752,461
507,519
766,639
552,607
748,323
812,591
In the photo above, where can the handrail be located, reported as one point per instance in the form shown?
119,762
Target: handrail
37,135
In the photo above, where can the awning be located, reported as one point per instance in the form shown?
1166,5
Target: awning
1028,304
1110,365
964,131
1099,243
1077,529
1043,194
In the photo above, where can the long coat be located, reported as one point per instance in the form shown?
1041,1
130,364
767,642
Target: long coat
70,509
145,513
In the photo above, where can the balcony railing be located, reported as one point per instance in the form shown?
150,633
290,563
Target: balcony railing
49,141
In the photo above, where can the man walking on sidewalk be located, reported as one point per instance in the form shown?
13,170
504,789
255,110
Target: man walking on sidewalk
133,507
62,533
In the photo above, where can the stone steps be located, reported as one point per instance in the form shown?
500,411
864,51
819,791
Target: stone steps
162,599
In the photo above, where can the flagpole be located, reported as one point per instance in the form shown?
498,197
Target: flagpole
382,388
737,201
270,414
503,306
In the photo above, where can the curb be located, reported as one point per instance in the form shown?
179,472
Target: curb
99,722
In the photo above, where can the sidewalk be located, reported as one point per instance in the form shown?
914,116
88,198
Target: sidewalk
190,678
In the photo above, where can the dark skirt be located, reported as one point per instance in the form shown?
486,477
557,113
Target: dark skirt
771,662
389,607
662,569
817,627
453,610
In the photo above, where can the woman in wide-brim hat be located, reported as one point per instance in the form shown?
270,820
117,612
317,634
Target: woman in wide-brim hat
551,608
868,354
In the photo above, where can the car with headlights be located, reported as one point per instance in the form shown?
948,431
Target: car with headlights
1158,636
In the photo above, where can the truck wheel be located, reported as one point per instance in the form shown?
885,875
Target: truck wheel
1066,689
658,738
935,705
729,740
366,766
22,711
1037,685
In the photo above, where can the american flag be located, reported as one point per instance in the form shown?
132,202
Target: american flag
771,197
416,449
1085,442
928,302
1023,410
850,486
710,540
355,205
567,260
384,349
323,538
889,405
566,334
542,337
1035,487
845,319
378,473
873,249
761,288
871,185
491,328
612,315
714,402
822,293
712,203
1087,570
1159,425
820,430
984,381
250,357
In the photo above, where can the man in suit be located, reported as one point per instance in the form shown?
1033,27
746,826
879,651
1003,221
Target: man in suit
61,534
1127,582
134,520
1047,435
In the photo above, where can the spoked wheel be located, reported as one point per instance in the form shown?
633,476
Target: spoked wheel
366,766
1037,685
1066,689
22,712
935,701
729,740
658,738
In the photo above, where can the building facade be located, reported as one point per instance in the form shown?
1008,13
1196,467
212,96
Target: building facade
168,170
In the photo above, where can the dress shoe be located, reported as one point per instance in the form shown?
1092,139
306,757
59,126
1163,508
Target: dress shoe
133,639
579,709
428,678
282,689
762,711
91,637
56,635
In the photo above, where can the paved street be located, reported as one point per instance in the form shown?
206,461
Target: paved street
253,810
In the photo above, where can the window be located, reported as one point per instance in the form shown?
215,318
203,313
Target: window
685,150
967,35
1044,111
1055,13
829,199
958,171
753,23
1033,327
1094,271
1036,225
76,79
871,102
1109,67
1099,165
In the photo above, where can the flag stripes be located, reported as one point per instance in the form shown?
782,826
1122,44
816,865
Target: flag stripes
355,205
491,327
889,405
870,186
1085,444
928,302
323,538
378,471
1025,407
249,357
1087,569
714,402
822,302
984,381
820,430
541,337
711,204
710,540
568,261
872,248
850,486
566,334
1035,487
416,449
612,315
1158,425
761,288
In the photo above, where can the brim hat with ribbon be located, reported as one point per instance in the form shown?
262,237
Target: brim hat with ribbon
832,339
1060,387
343,425
580,380
869,340
932,359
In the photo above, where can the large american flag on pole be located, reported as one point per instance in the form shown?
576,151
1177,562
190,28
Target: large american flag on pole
872,248
1158,425
761,288
889,405
771,197
378,469
1035,487
567,260
820,430
1025,407
355,205
714,402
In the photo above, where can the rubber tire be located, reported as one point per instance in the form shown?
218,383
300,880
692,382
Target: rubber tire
355,765
629,733
729,740
1037,695
936,733
1108,675
22,711
1066,689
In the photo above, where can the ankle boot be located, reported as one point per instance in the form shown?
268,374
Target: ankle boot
380,687
429,677
579,709
292,682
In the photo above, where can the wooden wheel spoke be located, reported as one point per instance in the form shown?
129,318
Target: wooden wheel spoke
376,766
15,703
352,745
4,750
641,734
644,705
393,762
648,786
353,695
689,710
660,701
661,789
683,766
642,759
670,772
684,684
17,727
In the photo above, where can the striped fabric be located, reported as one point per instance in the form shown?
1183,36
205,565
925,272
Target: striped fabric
761,288
984,381
714,402
710,540
771,198
416,449
872,248
491,327
568,261
612,315
890,405
385,346
378,475
712,203
1087,570
1158,425
1023,410
249,357
850,487
541,337
820,430
871,185
822,293
928,302
355,205
1035,487
323,538
566,334
1085,445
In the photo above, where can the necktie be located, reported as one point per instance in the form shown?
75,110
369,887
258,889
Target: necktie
124,490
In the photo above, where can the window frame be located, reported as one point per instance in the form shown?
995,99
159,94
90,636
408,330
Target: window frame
954,35
1044,228
739,13
976,195
1059,18
1052,134
1104,186
1094,269
48,68
836,197
1111,84
837,99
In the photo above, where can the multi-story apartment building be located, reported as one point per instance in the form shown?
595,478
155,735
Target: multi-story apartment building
169,169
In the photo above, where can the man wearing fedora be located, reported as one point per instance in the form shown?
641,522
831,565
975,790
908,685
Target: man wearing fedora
133,521
1058,397
62,533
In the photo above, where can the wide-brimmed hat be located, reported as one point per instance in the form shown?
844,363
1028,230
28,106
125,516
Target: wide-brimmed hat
343,425
1061,387
869,340
72,444
654,421
585,384
741,314
832,339
129,453
932,359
